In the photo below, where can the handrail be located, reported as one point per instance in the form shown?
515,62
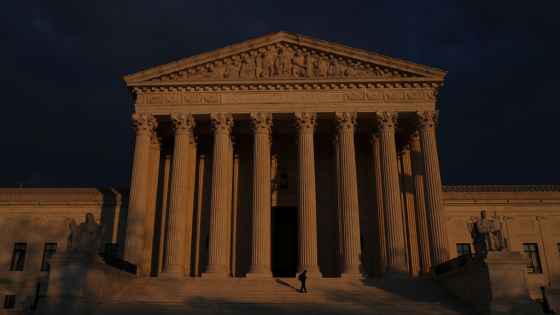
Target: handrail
453,264
121,264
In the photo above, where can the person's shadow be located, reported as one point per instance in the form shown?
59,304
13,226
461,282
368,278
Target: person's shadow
286,284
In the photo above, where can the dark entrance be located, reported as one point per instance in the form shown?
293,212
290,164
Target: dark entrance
284,241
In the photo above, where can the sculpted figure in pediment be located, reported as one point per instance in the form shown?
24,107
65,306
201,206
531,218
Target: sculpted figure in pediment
301,67
334,70
320,67
248,67
211,73
232,71
282,64
351,71
266,65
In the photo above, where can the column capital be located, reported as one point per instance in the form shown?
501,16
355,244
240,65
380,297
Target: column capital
222,123
345,121
182,123
374,139
306,122
155,141
414,138
403,145
427,120
261,122
386,121
144,124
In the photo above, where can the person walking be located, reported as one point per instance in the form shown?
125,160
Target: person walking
302,277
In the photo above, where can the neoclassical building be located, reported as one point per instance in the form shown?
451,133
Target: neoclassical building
277,155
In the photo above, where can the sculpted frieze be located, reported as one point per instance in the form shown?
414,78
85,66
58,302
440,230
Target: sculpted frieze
282,60
383,95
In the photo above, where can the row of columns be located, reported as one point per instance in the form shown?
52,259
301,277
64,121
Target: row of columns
425,182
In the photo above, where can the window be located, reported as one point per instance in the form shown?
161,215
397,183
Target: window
463,249
19,257
50,249
112,249
532,252
10,301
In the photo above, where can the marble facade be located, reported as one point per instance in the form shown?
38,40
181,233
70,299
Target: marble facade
325,153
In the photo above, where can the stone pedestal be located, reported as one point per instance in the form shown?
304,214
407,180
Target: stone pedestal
79,283
494,283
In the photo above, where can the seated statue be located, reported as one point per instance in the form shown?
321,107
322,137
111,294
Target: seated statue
488,234
86,237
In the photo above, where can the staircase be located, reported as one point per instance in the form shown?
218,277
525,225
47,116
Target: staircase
281,296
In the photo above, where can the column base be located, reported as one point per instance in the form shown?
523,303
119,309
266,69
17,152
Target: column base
351,272
312,271
403,274
259,272
173,271
215,271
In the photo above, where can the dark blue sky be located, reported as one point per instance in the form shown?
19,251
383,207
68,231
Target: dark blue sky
66,112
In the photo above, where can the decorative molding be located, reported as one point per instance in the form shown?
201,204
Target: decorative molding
345,121
182,123
296,92
222,123
261,122
386,121
306,122
144,124
427,120
527,224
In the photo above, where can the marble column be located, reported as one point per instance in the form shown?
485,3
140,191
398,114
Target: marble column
439,246
410,211
190,204
261,233
164,208
178,198
346,125
144,126
198,213
381,255
217,259
155,152
307,210
396,256
420,205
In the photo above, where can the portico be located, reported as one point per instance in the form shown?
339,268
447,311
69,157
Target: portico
242,137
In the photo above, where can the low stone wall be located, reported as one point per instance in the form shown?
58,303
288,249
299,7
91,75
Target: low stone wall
79,283
493,283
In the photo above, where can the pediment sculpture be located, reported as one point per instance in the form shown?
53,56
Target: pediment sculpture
489,234
86,237
280,61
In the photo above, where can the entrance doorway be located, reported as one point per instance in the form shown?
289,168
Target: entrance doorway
284,242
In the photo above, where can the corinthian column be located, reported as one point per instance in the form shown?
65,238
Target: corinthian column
439,247
420,204
151,196
381,255
217,259
394,234
178,199
260,245
307,212
144,126
346,125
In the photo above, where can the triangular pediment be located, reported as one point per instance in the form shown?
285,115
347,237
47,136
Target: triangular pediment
283,56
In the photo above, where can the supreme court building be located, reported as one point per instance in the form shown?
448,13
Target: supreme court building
277,155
